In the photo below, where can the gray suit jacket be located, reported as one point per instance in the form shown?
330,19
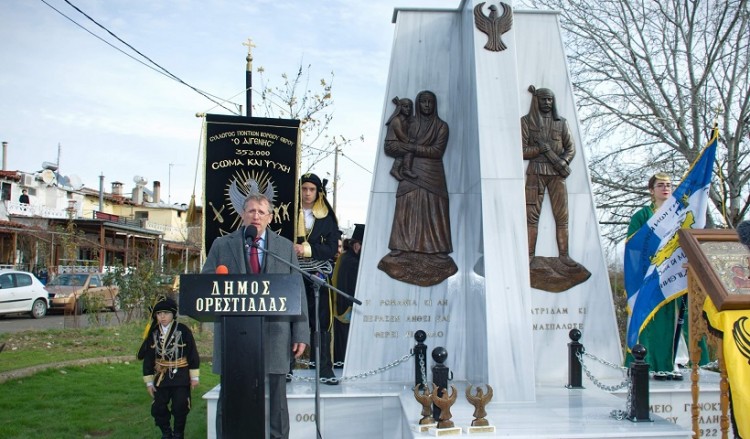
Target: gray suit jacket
278,332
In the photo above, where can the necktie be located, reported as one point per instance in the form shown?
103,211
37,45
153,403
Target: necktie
254,261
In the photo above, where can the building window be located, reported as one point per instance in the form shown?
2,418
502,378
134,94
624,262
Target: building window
6,192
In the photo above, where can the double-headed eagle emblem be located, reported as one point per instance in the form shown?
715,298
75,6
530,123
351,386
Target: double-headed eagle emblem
239,191
493,25
741,336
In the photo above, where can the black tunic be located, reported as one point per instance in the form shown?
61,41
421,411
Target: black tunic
175,358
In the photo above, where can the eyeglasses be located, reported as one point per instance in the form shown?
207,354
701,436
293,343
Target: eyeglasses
254,212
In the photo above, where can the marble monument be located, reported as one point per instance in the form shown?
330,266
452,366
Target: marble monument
496,327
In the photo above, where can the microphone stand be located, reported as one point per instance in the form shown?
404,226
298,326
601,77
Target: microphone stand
316,283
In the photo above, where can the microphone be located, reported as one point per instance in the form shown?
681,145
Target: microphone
250,233
743,232
222,269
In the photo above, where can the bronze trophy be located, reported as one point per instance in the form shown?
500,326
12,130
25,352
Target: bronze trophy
423,395
444,401
479,400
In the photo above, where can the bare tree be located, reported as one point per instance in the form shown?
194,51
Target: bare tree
311,104
651,79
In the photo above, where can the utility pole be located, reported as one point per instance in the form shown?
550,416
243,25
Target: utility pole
169,186
335,176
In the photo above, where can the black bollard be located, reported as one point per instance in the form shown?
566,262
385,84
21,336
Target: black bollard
440,374
420,360
575,369
638,392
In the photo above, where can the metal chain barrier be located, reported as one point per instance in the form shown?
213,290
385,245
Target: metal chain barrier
422,368
311,364
616,414
369,373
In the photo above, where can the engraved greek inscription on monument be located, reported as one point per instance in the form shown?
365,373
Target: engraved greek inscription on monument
549,311
556,326
430,334
386,334
370,318
677,408
396,302
557,318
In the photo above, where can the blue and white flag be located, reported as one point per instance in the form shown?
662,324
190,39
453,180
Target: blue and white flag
654,261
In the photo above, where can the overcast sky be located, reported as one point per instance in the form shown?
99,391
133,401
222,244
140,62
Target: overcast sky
111,115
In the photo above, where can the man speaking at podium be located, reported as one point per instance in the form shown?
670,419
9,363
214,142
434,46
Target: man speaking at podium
282,336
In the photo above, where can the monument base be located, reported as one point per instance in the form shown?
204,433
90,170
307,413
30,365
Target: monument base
672,400
556,412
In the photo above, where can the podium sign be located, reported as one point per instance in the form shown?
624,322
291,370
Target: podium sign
208,297
240,302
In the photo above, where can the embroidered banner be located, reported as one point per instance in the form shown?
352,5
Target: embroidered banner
655,271
735,328
244,154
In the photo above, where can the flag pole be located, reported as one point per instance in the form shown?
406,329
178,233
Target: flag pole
683,299
678,327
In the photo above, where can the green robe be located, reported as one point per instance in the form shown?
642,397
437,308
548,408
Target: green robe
658,335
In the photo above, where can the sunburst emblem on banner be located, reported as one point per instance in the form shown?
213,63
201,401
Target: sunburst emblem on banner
244,183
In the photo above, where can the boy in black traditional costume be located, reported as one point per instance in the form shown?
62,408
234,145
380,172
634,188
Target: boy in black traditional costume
170,368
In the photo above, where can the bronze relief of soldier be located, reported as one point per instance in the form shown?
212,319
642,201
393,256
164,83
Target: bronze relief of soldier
549,148
420,241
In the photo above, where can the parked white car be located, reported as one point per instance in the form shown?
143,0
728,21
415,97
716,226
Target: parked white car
22,292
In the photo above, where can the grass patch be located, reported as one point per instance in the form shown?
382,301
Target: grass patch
103,400
100,400
31,348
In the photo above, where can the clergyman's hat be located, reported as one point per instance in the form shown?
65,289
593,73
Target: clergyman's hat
359,232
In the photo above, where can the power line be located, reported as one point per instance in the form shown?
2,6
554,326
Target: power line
159,69
351,160
163,71
325,152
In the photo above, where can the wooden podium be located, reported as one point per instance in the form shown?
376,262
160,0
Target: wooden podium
717,268
240,302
